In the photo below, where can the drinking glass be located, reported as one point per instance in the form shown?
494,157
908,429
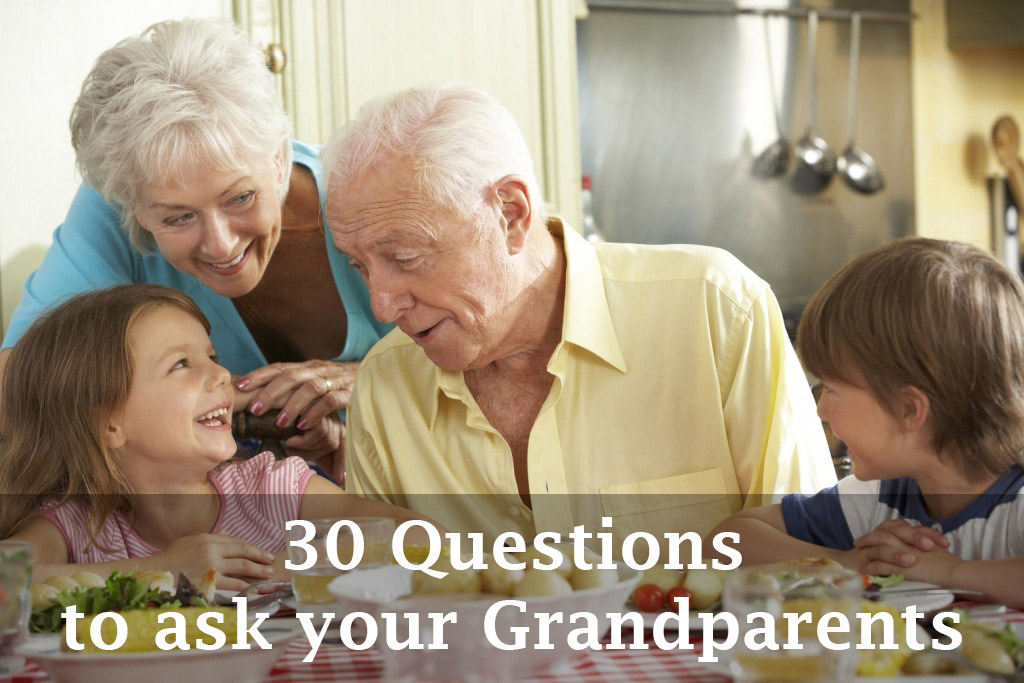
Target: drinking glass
310,585
784,589
15,601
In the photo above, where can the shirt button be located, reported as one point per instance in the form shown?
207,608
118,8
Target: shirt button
513,510
937,527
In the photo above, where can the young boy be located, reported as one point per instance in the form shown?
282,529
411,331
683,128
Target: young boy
920,347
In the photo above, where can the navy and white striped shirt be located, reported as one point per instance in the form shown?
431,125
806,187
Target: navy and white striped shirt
990,528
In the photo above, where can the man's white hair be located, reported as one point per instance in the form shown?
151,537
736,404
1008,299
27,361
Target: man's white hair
178,94
457,139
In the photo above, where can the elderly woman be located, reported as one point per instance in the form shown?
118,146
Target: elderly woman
192,181
529,362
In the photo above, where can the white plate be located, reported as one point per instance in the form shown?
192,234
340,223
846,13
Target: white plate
925,602
194,666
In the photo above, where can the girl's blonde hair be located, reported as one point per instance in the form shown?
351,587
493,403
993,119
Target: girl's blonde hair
944,317
66,377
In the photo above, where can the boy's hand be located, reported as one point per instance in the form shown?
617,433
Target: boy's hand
934,566
898,535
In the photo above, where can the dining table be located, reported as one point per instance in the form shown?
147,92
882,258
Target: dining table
335,662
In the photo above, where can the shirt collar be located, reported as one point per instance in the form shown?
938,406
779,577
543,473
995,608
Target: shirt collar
586,321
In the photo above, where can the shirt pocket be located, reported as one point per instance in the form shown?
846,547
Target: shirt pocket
697,501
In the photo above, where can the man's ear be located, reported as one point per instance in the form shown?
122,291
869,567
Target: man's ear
516,210
915,406
113,433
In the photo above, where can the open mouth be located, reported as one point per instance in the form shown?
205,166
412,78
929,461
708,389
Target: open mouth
215,418
232,266
421,336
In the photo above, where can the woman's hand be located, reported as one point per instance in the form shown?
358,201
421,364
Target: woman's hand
234,559
305,392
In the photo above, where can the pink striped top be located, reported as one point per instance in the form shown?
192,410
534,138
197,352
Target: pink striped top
257,497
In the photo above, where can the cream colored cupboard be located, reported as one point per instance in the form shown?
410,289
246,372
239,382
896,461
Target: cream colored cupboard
340,53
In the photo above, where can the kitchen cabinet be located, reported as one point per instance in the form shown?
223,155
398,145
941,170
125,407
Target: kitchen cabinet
985,23
341,53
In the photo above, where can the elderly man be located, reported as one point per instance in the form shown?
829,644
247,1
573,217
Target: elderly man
529,364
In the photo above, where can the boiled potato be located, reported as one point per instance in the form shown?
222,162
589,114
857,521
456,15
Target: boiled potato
664,579
89,580
62,582
457,581
43,594
582,579
542,583
705,586
564,569
498,580
143,627
986,652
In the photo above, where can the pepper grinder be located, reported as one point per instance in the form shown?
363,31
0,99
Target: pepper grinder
245,425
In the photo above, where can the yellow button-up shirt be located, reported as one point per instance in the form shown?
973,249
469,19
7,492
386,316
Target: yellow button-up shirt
677,400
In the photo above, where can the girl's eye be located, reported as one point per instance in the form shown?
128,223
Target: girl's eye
183,363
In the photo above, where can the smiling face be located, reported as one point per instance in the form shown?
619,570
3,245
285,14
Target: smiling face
220,226
879,444
176,421
446,283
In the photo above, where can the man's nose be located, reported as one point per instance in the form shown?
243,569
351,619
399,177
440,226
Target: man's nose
219,239
388,301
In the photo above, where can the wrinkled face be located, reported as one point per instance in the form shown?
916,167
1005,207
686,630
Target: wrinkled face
219,226
877,442
177,418
443,281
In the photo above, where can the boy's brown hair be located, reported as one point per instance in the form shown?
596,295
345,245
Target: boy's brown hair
944,317
65,378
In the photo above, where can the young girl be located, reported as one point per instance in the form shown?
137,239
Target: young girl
115,420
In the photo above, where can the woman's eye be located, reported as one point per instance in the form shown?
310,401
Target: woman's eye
178,221
243,198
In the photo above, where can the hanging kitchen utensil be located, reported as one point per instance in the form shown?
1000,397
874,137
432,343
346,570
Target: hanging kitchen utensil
774,159
857,167
1006,140
816,162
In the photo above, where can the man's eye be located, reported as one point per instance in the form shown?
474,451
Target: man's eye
407,262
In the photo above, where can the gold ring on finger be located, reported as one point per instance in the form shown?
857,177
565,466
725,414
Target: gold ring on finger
330,386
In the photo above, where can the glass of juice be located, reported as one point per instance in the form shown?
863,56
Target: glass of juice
784,605
310,585
15,601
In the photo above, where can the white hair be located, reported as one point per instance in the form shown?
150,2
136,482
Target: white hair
178,94
457,139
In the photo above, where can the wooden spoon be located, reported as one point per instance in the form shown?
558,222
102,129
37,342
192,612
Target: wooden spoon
1006,140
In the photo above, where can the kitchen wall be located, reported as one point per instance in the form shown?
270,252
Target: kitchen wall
48,47
675,106
957,97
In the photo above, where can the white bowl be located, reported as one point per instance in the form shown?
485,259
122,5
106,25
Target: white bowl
469,654
193,666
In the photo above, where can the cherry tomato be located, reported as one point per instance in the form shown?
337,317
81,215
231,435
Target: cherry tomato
674,595
649,598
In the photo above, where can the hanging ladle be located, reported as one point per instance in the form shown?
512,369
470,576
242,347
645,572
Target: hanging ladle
857,167
774,159
816,162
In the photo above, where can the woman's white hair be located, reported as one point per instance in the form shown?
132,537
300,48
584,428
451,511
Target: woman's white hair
457,139
180,93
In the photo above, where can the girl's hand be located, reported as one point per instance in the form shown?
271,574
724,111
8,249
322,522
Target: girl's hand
306,392
234,559
324,445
